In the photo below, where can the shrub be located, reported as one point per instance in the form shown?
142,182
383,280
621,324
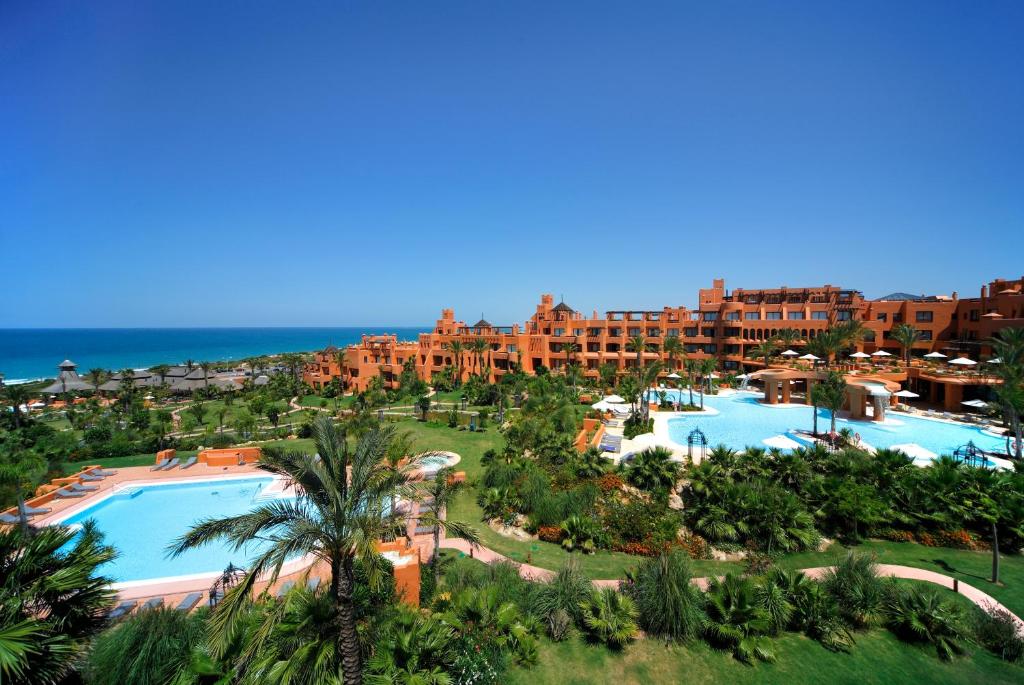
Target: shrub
895,535
996,630
550,534
609,617
957,539
580,533
696,546
920,615
857,589
560,599
736,619
153,646
609,482
668,603
634,426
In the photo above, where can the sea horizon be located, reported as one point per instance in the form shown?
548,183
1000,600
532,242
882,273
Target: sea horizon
28,354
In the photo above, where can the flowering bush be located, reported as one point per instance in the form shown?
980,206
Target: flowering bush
550,534
895,535
696,546
609,482
957,539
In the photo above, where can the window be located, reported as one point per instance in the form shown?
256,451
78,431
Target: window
773,316
732,316
819,316
711,348
842,315
614,332
795,316
690,333
882,317
924,335
897,317
923,317
710,316
751,316
559,331
673,332
594,332
577,331
510,348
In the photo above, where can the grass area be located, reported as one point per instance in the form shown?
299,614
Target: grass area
470,446
315,401
878,657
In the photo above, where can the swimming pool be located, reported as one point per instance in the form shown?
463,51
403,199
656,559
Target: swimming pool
141,521
743,420
434,462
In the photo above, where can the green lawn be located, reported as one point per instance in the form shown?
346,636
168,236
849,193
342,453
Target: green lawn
878,657
118,462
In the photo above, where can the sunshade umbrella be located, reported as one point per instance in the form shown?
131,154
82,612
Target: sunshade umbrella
977,404
810,357
614,399
997,360
963,361
860,355
674,376
782,442
906,393
743,376
935,355
992,315
789,353
880,353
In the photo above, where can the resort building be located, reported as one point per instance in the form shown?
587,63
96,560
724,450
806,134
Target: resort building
725,325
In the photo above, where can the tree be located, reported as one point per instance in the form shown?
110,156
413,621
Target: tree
608,373
920,615
439,494
413,650
161,371
206,366
906,335
97,377
787,337
54,600
1008,345
21,470
692,366
423,404
831,394
735,619
479,346
653,469
637,344
457,348
669,604
198,410
764,349
705,367
673,346
222,412
338,518
16,396
610,617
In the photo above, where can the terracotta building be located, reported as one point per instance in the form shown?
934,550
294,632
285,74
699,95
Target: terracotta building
724,325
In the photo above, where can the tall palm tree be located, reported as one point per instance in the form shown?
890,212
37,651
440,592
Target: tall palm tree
54,600
906,335
457,348
438,495
673,346
206,366
16,396
1008,345
161,370
97,377
764,349
787,337
824,345
691,366
831,394
339,516
637,344
479,346
20,470
705,368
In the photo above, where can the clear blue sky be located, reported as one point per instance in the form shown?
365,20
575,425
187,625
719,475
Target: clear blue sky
258,163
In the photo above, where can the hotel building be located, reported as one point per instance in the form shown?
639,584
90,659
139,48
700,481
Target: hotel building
724,325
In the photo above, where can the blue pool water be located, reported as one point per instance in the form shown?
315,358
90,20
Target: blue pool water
743,421
142,523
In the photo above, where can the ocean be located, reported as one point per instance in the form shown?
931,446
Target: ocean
35,353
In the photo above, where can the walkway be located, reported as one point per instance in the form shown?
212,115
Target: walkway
981,599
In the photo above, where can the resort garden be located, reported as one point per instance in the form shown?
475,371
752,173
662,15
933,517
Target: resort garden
754,564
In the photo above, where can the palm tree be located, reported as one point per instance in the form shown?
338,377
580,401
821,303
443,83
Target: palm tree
206,366
906,335
16,395
457,349
54,600
97,377
787,337
653,469
439,494
479,346
765,349
920,615
21,470
637,344
673,346
1008,345
610,617
161,370
736,619
705,368
573,374
824,345
413,650
691,366
831,394
338,518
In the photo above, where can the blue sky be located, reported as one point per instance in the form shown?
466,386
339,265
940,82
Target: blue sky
340,163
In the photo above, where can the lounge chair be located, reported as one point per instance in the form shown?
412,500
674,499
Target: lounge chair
78,487
66,493
189,602
123,608
102,472
36,511
7,518
170,465
313,583
283,590
160,465
154,603
90,477
189,462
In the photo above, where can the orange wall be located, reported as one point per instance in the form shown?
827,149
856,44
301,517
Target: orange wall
230,456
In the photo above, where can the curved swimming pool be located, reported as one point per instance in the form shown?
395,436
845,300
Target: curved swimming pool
742,420
141,521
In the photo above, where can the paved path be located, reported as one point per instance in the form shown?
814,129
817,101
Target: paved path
982,599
